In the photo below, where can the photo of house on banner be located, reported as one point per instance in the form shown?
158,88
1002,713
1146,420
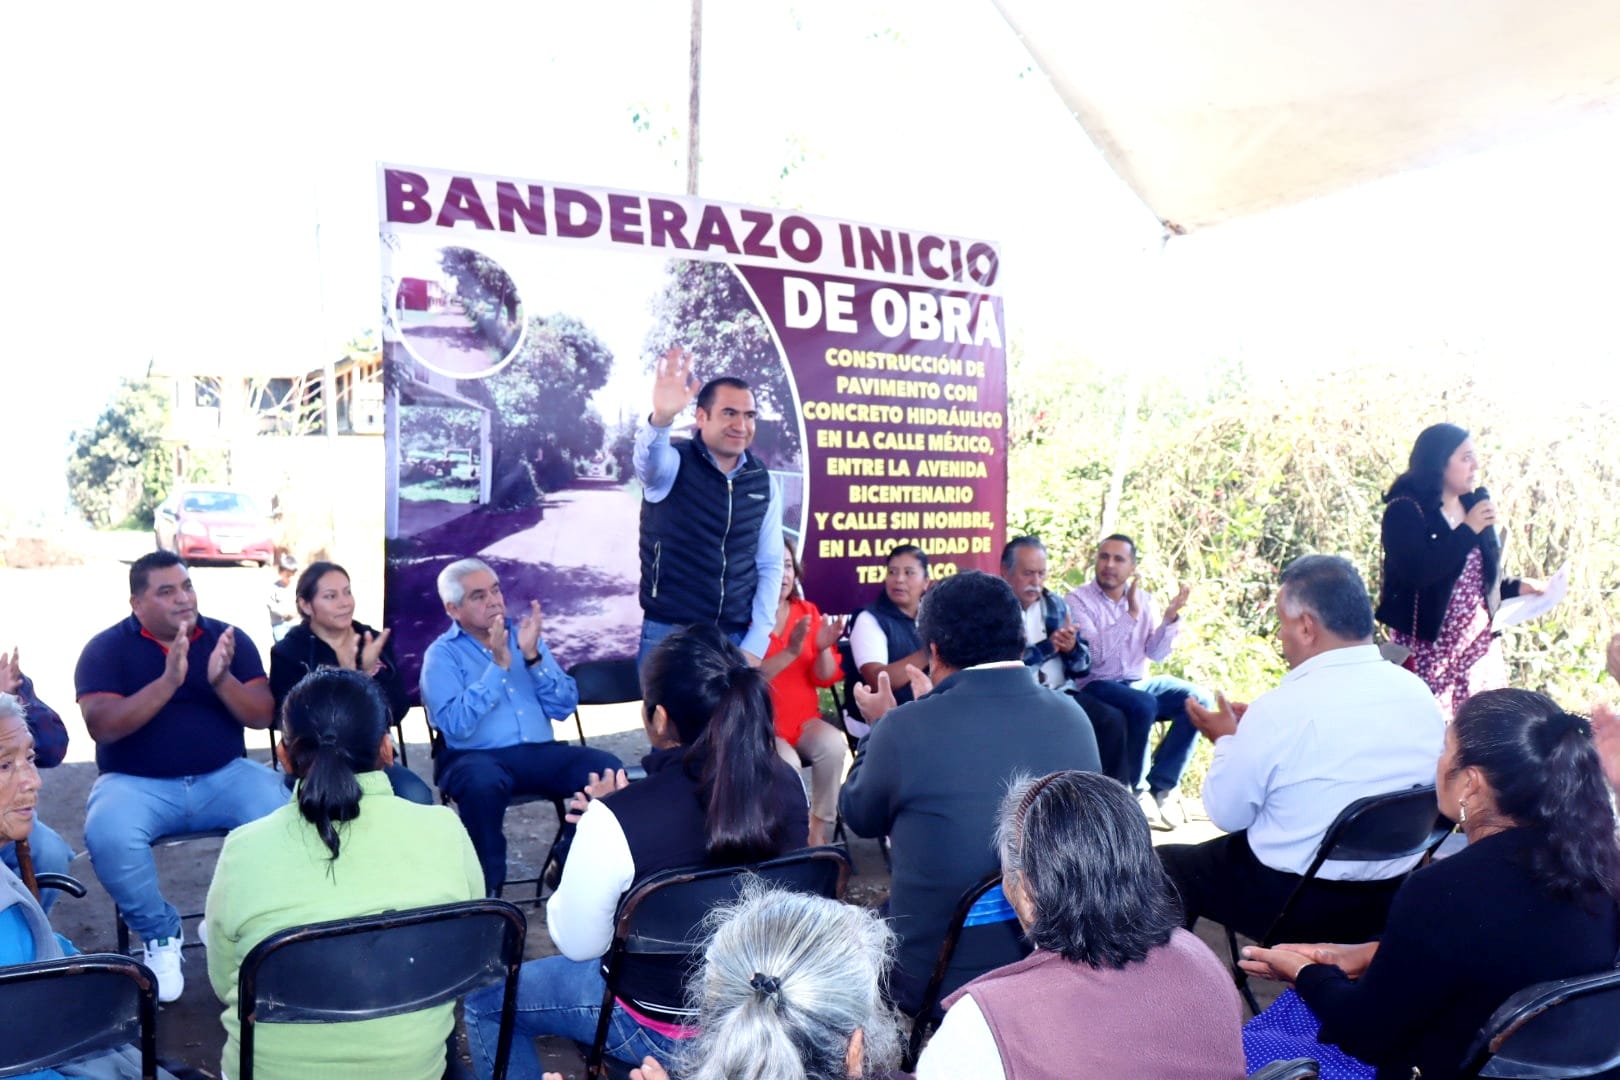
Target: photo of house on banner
458,312
528,466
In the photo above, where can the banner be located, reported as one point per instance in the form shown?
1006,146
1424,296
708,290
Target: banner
521,323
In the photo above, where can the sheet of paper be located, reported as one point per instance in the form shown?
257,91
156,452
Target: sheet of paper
1524,608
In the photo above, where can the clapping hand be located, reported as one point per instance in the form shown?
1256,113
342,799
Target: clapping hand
1219,722
177,661
1062,638
1132,607
529,632
219,661
1614,658
919,681
874,703
371,648
673,386
1606,739
600,784
1173,612
499,648
796,636
10,672
830,630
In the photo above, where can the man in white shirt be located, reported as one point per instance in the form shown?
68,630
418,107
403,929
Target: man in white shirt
1343,724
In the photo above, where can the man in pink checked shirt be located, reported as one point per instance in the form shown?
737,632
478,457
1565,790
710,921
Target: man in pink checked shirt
1122,624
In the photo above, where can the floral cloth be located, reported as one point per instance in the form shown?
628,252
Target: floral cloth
1464,658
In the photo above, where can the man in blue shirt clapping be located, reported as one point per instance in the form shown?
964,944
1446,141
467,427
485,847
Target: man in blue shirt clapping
492,689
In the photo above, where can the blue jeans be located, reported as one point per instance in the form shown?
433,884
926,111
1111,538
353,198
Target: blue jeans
1143,702
556,996
654,632
482,783
126,813
51,856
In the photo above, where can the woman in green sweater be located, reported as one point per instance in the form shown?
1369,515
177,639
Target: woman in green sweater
345,846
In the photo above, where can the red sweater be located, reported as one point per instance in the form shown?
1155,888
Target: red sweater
793,691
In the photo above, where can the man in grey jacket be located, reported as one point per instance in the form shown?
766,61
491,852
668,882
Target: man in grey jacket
931,774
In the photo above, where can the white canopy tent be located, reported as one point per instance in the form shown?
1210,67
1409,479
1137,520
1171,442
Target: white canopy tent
1213,111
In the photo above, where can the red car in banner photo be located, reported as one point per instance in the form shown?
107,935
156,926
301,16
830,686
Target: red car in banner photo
213,523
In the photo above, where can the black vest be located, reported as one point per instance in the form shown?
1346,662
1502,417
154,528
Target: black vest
698,543
900,631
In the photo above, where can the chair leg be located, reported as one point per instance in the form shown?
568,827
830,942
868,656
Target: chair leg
1240,978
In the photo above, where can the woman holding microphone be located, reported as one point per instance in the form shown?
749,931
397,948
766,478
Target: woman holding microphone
1442,577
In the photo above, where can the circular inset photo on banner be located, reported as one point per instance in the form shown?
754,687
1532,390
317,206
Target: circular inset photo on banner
463,318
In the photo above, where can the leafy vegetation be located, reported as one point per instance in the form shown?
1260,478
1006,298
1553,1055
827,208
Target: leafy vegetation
1226,482
117,471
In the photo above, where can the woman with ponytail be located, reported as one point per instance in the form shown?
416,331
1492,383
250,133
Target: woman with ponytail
716,794
1531,898
345,846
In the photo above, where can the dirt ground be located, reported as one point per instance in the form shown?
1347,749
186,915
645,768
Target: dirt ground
51,612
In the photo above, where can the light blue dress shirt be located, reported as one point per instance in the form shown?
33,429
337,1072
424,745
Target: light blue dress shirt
478,705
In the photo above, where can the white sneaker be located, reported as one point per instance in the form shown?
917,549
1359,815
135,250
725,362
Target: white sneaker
1171,807
163,957
1150,810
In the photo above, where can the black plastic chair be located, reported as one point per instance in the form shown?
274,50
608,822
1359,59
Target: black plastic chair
1562,1028
658,931
59,1010
1297,1069
975,909
604,682
381,965
170,840
1376,828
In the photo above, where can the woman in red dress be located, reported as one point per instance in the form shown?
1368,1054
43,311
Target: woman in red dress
802,657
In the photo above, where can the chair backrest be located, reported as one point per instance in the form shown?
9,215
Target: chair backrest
658,936
982,908
1562,1028
1374,828
1389,826
607,682
59,1010
380,965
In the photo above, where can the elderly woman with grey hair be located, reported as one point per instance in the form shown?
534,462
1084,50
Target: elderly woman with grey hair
790,989
1132,992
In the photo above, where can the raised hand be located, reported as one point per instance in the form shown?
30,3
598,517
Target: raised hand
673,386
529,632
219,661
830,630
874,703
10,672
371,649
1173,612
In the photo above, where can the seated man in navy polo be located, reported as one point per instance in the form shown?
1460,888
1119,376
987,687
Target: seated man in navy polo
165,695
495,712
